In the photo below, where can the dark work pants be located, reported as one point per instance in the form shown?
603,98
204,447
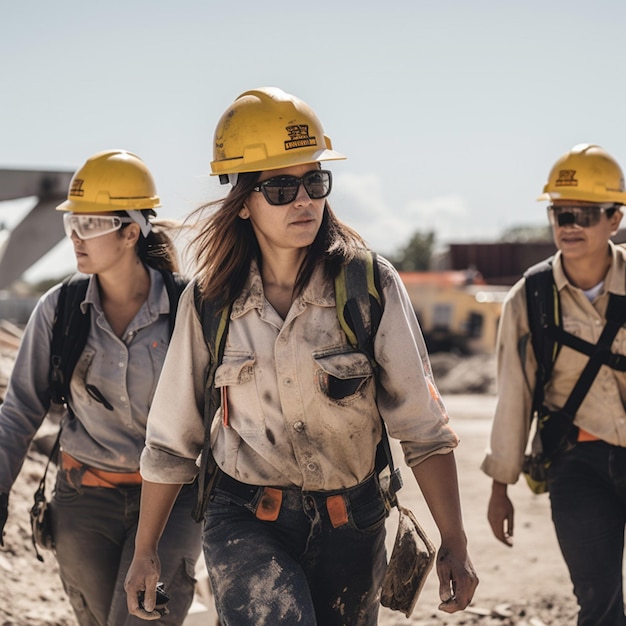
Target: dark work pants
94,529
588,497
298,569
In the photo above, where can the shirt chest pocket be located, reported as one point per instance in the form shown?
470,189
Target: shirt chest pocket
237,368
236,374
343,377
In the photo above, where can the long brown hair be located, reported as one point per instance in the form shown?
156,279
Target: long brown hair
157,249
226,244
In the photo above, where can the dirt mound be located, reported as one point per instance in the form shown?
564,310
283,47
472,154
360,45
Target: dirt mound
455,374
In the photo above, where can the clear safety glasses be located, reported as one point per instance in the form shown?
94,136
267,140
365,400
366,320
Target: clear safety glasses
90,226
579,215
284,189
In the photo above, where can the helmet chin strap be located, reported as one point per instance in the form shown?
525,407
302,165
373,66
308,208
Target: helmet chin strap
141,219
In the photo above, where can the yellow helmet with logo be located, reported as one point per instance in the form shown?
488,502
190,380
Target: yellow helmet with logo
114,180
588,173
266,129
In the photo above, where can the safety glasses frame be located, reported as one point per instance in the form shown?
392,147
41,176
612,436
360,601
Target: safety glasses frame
88,226
584,216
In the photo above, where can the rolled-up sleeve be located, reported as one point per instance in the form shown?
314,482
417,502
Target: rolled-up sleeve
408,399
175,430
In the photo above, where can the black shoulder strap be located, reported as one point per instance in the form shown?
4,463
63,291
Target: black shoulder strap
359,301
544,314
215,323
69,336
174,285
615,318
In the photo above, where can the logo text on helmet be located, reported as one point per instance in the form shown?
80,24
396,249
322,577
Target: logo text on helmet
567,178
77,188
299,137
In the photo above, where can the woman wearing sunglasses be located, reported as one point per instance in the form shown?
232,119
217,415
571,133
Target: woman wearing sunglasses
585,478
294,527
95,507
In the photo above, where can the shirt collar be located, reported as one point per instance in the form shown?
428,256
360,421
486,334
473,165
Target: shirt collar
158,300
318,291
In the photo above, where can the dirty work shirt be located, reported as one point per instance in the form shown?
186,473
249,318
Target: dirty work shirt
284,427
125,371
602,412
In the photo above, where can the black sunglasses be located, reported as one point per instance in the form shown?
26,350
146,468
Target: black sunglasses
284,189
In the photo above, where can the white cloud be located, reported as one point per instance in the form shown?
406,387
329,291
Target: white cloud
360,201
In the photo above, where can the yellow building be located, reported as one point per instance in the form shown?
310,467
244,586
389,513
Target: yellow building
457,310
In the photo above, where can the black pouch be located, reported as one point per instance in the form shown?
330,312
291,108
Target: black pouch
535,470
40,512
558,433
41,522
555,435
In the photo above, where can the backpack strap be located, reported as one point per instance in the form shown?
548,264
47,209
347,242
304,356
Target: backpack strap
544,314
174,285
359,304
359,301
69,336
215,322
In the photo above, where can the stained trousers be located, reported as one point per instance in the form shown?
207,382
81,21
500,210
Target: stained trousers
298,569
94,530
588,497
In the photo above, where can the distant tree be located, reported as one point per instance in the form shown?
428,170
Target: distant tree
527,233
415,256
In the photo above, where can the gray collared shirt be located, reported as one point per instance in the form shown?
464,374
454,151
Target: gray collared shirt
283,426
125,371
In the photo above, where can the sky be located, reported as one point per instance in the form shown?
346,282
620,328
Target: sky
451,112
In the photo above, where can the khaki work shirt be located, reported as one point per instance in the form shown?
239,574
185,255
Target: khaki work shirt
602,412
284,428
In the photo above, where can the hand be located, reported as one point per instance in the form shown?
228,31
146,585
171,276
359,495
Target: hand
4,514
142,578
457,578
500,514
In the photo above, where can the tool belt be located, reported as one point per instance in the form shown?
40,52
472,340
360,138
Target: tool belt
265,502
79,474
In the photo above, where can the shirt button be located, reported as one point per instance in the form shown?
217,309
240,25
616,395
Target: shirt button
121,364
298,426
287,381
123,398
312,467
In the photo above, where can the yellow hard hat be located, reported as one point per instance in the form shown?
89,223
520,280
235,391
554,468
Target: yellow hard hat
266,129
114,180
587,172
